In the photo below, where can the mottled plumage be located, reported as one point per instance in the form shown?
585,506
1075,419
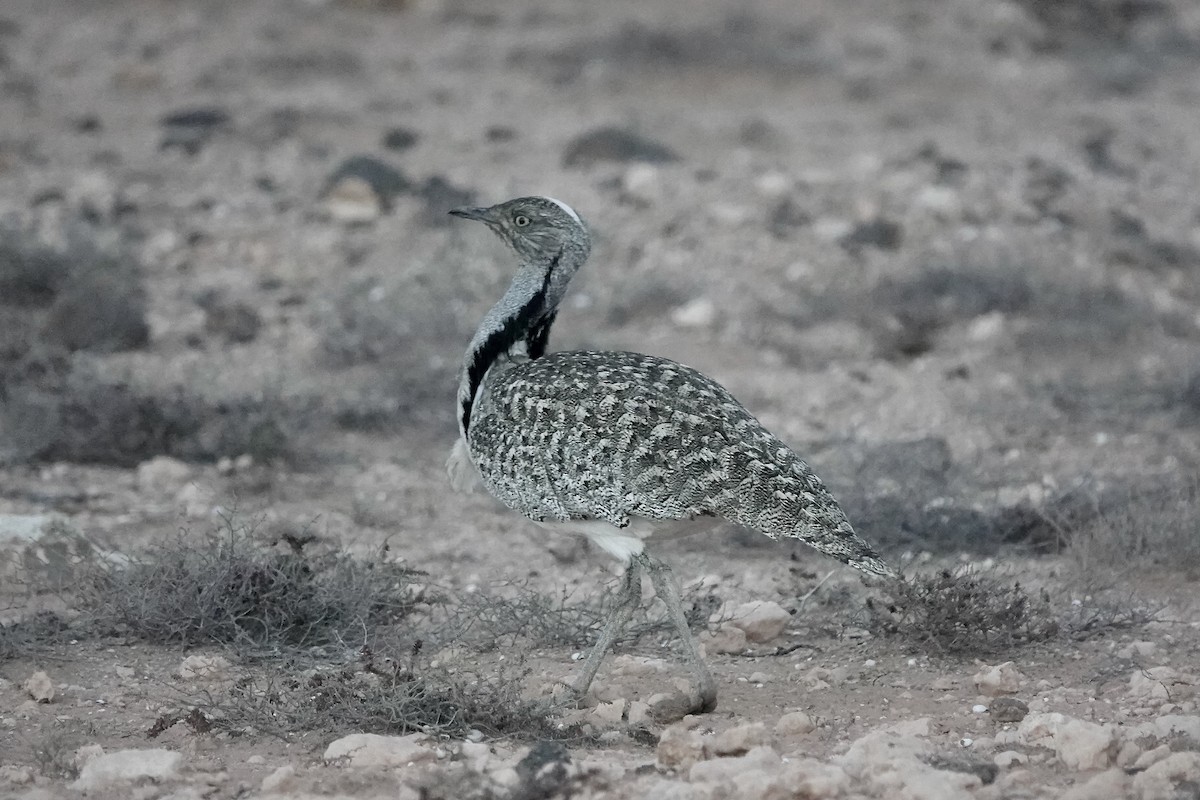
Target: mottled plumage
589,440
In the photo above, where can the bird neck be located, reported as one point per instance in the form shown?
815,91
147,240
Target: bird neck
518,326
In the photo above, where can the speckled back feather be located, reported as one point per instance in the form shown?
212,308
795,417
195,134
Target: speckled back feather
613,435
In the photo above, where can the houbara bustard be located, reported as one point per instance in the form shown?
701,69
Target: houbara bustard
616,446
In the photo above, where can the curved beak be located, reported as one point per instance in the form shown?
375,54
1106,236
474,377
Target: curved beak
468,212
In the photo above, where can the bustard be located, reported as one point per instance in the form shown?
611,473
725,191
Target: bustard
617,445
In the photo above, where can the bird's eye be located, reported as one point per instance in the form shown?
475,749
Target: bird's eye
520,220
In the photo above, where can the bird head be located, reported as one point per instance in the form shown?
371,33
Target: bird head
537,228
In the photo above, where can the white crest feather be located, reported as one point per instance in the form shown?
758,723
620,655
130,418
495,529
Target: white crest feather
570,211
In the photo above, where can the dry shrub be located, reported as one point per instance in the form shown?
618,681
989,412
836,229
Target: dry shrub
376,695
1147,528
964,614
228,589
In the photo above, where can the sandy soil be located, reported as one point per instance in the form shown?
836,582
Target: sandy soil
951,252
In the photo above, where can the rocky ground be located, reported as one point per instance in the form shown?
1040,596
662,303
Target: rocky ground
950,252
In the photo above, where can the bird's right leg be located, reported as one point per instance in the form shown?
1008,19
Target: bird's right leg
628,600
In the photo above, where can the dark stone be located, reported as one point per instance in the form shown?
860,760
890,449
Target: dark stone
190,129
386,181
543,771
500,133
878,232
1008,709
786,217
399,138
615,144
235,322
89,123
986,771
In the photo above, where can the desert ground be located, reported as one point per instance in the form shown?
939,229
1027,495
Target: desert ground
949,252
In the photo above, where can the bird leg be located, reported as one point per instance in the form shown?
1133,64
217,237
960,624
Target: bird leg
703,686
629,598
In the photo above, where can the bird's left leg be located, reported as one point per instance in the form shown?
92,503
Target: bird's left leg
704,687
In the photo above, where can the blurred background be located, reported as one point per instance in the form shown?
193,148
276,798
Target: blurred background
949,249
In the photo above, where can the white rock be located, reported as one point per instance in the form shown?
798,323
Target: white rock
195,667
738,740
1078,744
773,185
39,687
759,677
1161,683
794,723
728,639
762,620
1000,679
756,761
353,200
476,755
281,781
610,713
1166,779
1083,745
85,754
127,766
16,775
1138,649
374,750
680,745
890,760
1108,785
642,184
162,474
698,313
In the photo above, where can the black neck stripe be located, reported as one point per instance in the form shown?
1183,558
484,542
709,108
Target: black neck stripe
528,324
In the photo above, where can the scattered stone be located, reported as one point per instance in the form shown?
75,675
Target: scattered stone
281,781
16,775
738,740
374,750
747,772
642,184
610,713
39,687
544,769
196,667
1009,758
943,684
190,129
1161,683
729,639
680,745
762,620
698,313
352,201
759,678
1079,745
361,188
500,133
1107,785
1177,775
794,723
162,474
1138,649
1008,709
234,321
128,766
881,233
399,138
614,144
1000,679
